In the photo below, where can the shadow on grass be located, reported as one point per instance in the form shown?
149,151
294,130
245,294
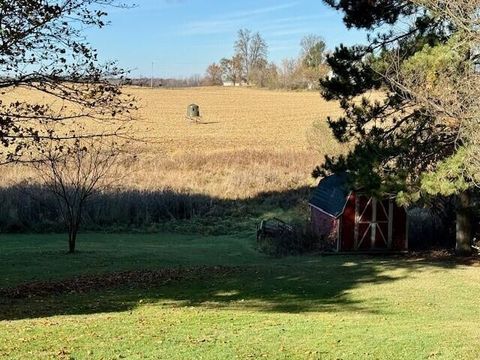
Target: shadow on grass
290,285
299,285
33,208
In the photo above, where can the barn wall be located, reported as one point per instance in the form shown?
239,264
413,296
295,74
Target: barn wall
324,226
348,225
347,231
330,229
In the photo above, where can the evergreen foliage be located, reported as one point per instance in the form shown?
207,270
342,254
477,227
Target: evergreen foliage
408,142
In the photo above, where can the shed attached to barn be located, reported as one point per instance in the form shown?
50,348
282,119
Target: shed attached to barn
351,220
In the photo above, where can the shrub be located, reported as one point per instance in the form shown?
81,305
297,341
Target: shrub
298,241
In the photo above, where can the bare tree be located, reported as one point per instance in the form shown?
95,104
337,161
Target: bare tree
242,49
271,80
43,49
259,73
213,75
76,173
258,50
290,74
252,50
193,80
265,74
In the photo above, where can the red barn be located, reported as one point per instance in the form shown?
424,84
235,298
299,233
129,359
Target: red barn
353,221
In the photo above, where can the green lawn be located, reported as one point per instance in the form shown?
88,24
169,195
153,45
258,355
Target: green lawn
43,257
293,308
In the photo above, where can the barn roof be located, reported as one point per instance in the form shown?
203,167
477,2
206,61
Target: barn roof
331,194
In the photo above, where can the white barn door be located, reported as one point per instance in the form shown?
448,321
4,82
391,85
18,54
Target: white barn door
373,223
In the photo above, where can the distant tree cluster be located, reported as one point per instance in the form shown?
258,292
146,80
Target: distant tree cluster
250,65
190,81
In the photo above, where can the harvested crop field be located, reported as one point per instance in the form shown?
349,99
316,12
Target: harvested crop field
249,141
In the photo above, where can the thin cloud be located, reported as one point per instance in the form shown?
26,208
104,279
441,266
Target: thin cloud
289,32
264,10
229,21
299,19
294,25
141,7
278,48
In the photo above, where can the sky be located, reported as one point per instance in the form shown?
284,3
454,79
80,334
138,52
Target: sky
182,37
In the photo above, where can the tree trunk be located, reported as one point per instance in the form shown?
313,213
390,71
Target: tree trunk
464,225
72,237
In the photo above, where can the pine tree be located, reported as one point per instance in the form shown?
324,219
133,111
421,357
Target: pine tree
402,144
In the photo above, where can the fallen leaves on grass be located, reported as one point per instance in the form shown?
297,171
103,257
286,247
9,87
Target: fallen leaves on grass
444,255
85,283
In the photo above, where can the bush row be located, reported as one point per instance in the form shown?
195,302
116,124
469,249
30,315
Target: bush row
32,208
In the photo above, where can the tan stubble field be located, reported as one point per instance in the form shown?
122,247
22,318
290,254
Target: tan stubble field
249,141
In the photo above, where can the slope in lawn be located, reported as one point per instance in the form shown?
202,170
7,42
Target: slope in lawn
298,307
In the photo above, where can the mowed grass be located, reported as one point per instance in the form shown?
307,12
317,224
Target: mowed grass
43,257
307,307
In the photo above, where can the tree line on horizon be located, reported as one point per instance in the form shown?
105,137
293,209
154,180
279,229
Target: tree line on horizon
250,64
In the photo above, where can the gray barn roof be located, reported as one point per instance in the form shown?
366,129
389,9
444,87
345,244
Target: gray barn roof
331,194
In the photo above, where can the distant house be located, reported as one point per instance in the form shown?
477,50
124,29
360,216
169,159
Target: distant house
353,221
230,83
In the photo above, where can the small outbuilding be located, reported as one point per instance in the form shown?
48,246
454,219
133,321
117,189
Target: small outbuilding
351,220
193,111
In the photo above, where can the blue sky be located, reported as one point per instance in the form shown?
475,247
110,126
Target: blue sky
181,37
